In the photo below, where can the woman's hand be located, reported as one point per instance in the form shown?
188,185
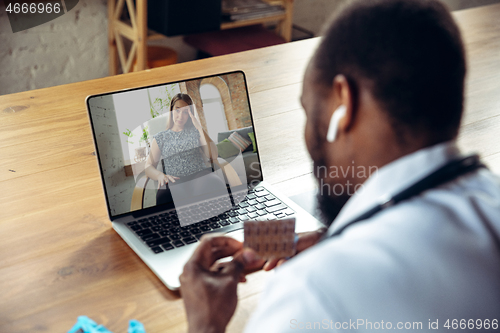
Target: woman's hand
164,179
209,151
195,121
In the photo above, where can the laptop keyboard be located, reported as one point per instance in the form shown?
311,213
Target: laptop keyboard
163,232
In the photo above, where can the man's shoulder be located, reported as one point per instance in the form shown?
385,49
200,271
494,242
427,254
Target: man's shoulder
431,249
430,217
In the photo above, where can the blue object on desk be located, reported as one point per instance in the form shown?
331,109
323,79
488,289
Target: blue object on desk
135,326
86,325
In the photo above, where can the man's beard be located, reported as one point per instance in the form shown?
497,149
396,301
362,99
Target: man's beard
328,205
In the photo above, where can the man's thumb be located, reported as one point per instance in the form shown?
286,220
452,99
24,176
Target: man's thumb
241,260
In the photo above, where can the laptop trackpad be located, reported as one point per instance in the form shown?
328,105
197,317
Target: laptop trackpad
236,234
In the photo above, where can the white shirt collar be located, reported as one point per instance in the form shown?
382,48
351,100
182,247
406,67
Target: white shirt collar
394,177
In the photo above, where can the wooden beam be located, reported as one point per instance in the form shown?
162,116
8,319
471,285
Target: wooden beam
126,30
113,64
121,51
142,34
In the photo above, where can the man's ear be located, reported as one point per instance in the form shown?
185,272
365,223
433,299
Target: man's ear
343,95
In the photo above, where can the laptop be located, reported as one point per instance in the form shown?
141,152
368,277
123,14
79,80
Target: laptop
201,132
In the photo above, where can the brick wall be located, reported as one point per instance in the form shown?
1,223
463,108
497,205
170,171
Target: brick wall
120,187
239,99
192,88
220,82
71,48
233,94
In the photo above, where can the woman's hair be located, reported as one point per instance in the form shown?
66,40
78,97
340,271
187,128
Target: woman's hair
180,97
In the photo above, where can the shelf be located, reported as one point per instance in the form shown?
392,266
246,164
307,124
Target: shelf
244,23
137,32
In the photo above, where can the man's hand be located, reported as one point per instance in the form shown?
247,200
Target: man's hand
208,288
305,241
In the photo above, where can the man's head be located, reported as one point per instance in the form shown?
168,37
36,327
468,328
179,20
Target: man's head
397,68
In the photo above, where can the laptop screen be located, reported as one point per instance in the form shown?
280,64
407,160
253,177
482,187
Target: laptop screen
175,144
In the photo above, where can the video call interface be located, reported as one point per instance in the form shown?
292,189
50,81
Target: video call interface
189,144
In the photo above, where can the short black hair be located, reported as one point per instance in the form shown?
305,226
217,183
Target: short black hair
411,53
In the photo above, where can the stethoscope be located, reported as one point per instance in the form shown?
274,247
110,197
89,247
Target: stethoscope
448,172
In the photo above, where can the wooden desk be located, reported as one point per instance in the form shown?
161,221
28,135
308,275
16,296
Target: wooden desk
60,257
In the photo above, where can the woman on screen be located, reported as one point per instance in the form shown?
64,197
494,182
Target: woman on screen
183,147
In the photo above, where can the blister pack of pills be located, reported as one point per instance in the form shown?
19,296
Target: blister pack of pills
271,239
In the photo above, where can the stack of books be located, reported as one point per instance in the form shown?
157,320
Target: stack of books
237,10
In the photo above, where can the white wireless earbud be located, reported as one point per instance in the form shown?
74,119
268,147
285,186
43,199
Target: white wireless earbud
331,135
